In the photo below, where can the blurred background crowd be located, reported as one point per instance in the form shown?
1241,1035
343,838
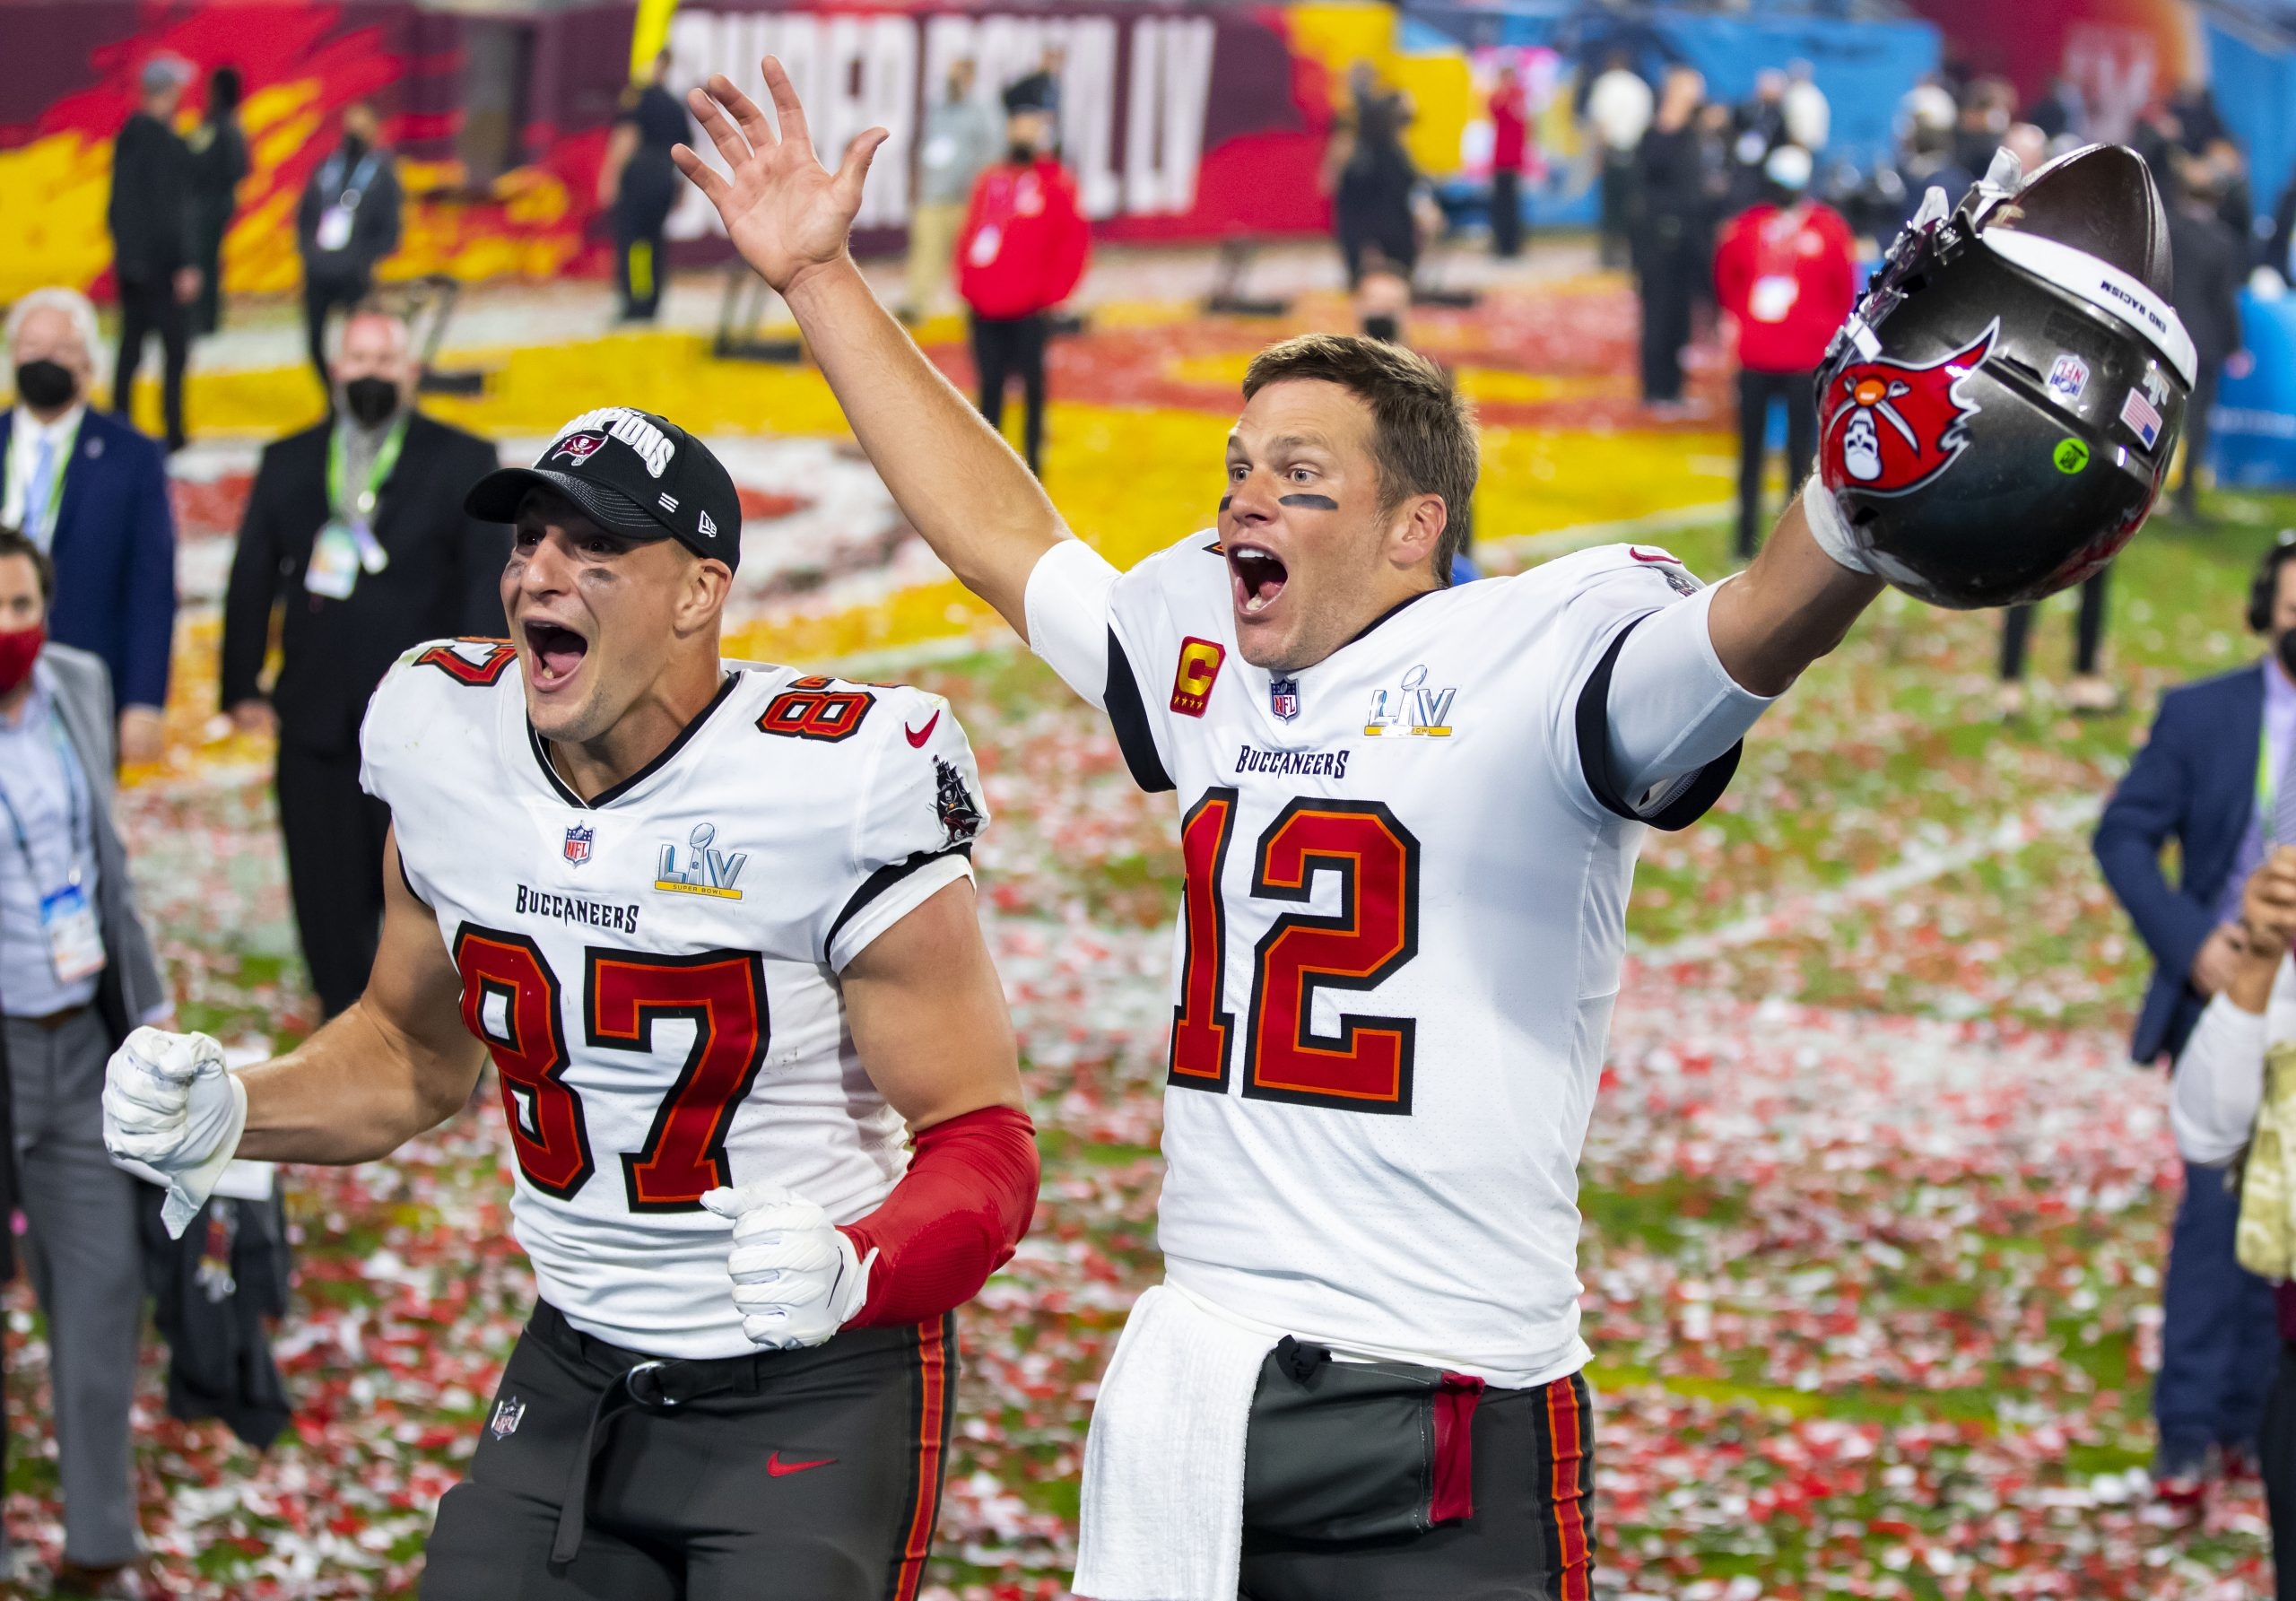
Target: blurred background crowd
381,244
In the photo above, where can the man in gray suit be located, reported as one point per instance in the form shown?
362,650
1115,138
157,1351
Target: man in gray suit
76,975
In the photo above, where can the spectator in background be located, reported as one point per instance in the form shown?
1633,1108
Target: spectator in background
1785,274
91,494
1761,118
2277,241
219,162
638,183
2194,781
1669,236
1020,253
2220,1088
76,977
1989,107
1807,113
2212,263
355,528
1509,135
960,139
348,220
2197,122
2060,112
1713,128
1371,178
1619,108
1758,127
2090,693
2235,206
155,241
1041,90
1927,160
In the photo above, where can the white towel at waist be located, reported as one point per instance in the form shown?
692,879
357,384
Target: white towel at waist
1163,1506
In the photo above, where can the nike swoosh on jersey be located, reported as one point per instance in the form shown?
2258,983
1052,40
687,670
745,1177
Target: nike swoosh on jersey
917,736
775,1467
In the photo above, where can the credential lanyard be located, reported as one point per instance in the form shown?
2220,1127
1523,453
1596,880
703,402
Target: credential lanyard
360,512
349,196
65,445
71,804
2267,791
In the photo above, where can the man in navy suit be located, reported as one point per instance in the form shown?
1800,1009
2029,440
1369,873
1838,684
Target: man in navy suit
93,493
2218,776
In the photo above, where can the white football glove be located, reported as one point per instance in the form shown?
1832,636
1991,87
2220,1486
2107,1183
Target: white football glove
797,1277
169,1102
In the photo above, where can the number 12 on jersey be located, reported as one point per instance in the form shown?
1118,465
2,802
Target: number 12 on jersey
1366,1065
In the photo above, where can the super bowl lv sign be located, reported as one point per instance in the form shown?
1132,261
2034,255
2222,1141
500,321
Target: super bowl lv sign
1136,97
1890,427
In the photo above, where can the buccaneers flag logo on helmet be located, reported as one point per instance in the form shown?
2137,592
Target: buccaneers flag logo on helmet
1891,427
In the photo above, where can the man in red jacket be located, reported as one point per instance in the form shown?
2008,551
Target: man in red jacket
1509,136
1785,271
1020,255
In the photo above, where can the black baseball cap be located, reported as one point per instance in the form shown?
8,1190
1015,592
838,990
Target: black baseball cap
631,473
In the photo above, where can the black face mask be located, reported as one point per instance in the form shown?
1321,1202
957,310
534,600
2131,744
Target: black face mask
1020,155
2287,652
45,384
370,400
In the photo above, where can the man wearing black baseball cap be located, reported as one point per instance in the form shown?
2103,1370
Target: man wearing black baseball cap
652,525
714,923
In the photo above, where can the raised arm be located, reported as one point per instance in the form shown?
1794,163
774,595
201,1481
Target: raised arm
398,1063
961,486
1792,606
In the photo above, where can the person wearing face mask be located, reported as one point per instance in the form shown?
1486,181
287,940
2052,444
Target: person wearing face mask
1020,254
347,221
355,530
2218,777
92,493
76,977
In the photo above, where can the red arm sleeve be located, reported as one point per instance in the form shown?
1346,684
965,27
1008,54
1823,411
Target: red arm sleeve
952,1219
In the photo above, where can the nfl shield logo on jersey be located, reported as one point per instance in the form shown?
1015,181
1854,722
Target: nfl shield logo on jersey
578,841
1283,698
508,1413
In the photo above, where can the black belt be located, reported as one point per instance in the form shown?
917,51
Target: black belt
52,1021
654,1384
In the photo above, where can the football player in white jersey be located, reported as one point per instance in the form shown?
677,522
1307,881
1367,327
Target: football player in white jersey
1409,816
714,923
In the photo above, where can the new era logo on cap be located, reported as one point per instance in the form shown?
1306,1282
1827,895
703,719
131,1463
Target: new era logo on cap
633,473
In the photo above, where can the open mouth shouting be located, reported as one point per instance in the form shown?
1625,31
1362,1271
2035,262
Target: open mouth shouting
557,653
1257,575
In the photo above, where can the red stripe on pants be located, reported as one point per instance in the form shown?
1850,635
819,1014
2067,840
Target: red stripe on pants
933,1389
1567,1490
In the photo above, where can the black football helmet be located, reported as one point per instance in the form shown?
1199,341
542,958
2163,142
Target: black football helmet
1995,417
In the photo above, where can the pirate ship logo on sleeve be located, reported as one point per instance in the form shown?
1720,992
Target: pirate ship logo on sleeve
1891,427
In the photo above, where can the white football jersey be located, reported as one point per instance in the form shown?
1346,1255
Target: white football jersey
654,972
1406,877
